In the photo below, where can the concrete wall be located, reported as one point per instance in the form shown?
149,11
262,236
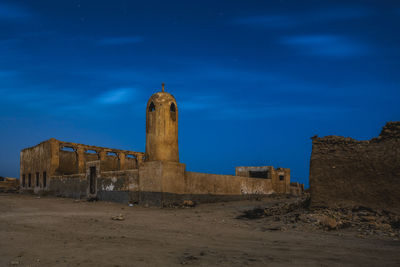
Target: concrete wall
118,186
161,182
344,171
280,177
204,183
73,186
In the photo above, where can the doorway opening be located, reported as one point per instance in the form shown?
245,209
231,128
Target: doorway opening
92,180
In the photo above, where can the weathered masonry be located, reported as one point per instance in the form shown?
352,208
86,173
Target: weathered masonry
59,167
155,177
279,178
344,171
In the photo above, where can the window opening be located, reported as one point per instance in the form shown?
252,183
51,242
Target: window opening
172,107
44,179
259,174
92,180
152,107
67,148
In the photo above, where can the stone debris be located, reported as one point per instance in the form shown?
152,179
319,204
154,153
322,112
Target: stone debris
297,214
188,203
119,217
188,259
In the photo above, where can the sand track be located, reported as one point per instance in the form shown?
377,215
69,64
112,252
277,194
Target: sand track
51,231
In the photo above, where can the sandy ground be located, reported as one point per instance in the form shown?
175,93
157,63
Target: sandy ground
50,231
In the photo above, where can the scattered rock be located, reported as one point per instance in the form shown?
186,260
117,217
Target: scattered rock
118,218
297,214
14,262
188,259
188,203
328,222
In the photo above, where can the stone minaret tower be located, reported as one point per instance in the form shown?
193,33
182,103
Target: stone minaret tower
162,128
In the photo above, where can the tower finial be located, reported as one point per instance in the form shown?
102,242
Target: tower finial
162,87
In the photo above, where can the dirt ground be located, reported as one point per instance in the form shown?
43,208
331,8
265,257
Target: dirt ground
50,231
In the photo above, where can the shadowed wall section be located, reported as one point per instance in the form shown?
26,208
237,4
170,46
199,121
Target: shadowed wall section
344,171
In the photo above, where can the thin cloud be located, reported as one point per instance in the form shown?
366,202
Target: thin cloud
120,40
13,12
117,96
325,45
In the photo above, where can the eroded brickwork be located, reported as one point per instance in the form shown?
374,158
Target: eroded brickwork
344,171
39,164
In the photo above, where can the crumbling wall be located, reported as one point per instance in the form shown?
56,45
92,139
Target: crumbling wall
110,163
68,163
279,177
34,162
54,158
131,163
296,189
344,171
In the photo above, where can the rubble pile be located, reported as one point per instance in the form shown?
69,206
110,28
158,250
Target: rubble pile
365,221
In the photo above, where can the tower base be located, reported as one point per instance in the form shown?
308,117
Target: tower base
158,180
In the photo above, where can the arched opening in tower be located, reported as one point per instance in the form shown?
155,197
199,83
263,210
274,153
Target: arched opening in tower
172,108
152,107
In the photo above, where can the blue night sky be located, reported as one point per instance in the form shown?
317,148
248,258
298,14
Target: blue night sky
254,80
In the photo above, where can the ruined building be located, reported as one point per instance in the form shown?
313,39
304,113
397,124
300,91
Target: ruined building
346,172
155,177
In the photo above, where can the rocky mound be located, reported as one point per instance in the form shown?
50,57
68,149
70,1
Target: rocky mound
366,221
